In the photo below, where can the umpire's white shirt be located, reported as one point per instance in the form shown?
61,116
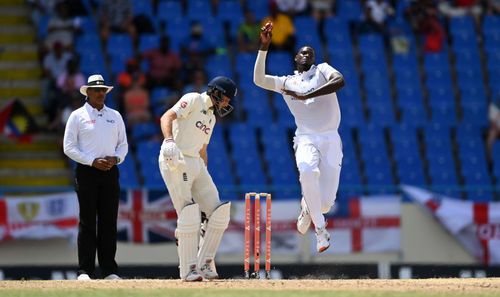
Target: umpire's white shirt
315,115
194,124
92,133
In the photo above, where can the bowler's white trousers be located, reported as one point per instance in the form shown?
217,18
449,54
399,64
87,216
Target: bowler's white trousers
190,181
319,161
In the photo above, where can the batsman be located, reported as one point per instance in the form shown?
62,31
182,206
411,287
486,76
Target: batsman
187,128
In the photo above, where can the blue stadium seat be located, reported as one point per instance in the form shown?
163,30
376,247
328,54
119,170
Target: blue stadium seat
259,8
371,43
169,10
144,7
148,42
198,9
119,44
410,171
461,24
491,24
217,65
144,131
436,61
349,10
229,10
279,63
443,112
382,114
128,173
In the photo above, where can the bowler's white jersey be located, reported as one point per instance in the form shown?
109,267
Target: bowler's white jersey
194,124
314,115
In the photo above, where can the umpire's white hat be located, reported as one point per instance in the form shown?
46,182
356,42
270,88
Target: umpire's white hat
94,81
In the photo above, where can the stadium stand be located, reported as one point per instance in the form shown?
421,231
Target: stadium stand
408,117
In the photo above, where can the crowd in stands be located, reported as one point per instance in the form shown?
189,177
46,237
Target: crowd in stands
406,64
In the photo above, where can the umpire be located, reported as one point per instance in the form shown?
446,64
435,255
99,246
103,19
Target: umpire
95,138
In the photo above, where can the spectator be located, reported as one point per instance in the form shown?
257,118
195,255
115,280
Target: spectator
164,65
132,70
68,86
493,7
494,129
54,65
195,49
292,7
61,27
136,103
248,33
284,34
454,8
197,84
116,16
432,31
375,16
321,9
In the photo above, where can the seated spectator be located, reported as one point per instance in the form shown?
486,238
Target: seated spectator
284,31
164,65
125,79
493,7
116,16
455,8
61,27
68,90
198,83
132,70
321,9
292,8
195,49
136,101
418,10
374,20
248,33
69,84
54,65
494,129
432,31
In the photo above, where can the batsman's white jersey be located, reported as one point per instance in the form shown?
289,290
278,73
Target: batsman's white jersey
191,130
317,144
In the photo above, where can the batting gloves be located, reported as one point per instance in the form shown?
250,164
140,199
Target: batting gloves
171,153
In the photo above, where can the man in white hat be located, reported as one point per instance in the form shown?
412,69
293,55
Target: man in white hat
95,138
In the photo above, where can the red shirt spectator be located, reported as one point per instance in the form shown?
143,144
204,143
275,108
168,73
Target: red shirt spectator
164,64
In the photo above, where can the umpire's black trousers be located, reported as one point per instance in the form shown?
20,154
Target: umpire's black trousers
98,196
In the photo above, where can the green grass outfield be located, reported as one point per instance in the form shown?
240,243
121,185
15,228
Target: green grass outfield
257,288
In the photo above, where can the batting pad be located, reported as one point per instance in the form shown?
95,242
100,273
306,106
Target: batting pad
188,234
217,224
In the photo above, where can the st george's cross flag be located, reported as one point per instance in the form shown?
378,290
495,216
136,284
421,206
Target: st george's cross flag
371,224
476,225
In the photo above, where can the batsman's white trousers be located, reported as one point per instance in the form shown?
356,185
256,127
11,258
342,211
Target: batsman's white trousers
190,181
319,161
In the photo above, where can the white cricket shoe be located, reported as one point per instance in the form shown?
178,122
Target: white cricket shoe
83,277
207,272
193,275
304,219
322,239
112,277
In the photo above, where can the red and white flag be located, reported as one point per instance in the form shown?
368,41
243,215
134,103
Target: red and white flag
475,225
372,226
39,217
